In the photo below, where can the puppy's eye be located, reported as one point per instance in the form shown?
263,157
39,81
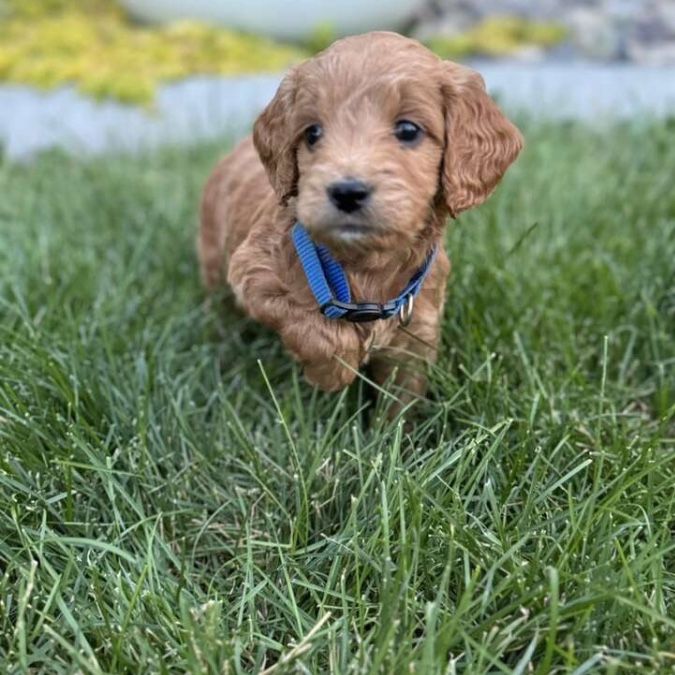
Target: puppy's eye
313,133
407,132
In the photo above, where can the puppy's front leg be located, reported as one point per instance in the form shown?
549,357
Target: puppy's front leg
414,347
329,351
404,361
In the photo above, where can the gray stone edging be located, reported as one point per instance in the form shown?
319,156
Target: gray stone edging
204,107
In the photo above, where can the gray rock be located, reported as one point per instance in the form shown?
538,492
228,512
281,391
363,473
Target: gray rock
435,19
607,30
448,26
659,54
667,15
593,35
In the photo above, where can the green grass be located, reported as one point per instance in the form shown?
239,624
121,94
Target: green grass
174,499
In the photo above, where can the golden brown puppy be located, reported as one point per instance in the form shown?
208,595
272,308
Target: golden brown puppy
370,145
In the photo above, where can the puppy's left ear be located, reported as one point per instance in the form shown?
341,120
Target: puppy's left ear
480,143
273,140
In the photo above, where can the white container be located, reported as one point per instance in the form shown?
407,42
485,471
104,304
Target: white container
284,19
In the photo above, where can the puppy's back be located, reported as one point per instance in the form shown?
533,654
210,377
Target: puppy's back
232,195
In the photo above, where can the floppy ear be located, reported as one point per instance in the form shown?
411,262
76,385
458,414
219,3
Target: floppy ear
273,140
480,143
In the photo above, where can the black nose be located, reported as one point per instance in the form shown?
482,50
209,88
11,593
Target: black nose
349,194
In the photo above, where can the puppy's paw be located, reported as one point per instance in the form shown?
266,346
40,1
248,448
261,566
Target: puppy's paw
330,353
330,375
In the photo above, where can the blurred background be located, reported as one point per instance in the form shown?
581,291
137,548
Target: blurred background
172,499
89,75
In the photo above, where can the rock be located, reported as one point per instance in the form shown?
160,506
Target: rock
608,30
450,26
621,10
667,15
651,37
593,35
658,54
443,18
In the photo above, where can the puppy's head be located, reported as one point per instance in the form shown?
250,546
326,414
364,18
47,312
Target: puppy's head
375,134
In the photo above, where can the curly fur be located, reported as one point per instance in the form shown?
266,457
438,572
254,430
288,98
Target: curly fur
357,90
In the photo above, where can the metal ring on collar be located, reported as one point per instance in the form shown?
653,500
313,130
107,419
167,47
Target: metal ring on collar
405,311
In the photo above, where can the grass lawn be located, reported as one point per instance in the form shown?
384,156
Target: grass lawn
174,499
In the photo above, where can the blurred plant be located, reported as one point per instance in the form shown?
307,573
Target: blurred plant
498,36
322,36
90,43
41,8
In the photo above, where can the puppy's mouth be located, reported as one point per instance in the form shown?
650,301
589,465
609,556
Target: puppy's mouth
350,231
353,228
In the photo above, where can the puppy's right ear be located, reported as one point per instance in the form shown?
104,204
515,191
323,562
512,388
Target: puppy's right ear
481,142
273,139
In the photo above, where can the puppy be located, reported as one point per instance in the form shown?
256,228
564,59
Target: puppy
369,146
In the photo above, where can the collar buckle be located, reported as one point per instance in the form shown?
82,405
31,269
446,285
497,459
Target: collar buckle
362,312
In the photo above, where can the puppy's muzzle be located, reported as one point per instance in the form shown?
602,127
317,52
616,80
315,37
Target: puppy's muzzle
349,195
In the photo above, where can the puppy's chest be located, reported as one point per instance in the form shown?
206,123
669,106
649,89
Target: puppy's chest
375,336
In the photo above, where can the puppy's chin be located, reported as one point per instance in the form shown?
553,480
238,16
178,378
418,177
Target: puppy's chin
348,235
348,232
361,230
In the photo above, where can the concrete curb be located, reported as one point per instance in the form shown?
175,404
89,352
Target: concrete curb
206,107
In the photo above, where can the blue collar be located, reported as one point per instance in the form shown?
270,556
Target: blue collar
330,287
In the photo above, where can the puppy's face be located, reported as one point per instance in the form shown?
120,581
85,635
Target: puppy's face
375,134
369,157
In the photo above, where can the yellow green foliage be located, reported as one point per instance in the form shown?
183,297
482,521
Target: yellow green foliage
322,36
90,43
499,36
